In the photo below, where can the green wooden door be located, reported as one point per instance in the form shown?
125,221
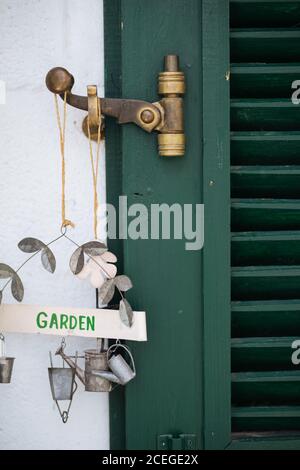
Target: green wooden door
167,396
237,298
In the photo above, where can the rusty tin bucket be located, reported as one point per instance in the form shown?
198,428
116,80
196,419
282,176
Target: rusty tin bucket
96,361
6,367
6,363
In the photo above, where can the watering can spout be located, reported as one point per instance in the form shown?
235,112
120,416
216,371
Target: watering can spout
78,371
105,374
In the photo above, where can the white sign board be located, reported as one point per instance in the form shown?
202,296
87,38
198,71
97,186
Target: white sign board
62,321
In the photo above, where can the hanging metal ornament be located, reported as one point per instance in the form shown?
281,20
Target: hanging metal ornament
63,384
95,360
120,371
6,363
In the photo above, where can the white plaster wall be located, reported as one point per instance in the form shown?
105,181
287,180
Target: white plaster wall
37,35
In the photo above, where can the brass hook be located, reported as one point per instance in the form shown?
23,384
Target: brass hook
94,118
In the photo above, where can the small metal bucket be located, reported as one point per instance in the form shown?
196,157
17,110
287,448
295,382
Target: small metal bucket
119,366
95,360
6,363
62,382
6,367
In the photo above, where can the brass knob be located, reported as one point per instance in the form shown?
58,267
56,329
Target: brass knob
171,145
59,80
171,81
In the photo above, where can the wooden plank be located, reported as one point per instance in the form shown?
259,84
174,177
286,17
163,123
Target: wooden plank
265,318
265,418
266,388
264,13
155,401
265,181
263,441
263,80
265,214
265,282
265,45
264,377
63,321
266,411
264,115
216,262
262,354
265,148
265,248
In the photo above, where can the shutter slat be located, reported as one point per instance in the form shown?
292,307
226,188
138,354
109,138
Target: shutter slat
261,354
256,80
265,282
265,214
265,181
265,248
264,114
265,388
265,148
266,418
265,318
262,14
265,45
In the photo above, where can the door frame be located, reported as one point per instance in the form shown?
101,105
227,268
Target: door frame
216,196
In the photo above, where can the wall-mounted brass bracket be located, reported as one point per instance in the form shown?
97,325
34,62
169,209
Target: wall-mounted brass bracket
164,116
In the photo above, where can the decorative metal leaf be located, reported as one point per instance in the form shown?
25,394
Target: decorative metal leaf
106,291
126,313
123,283
31,245
17,288
94,248
5,271
48,260
77,261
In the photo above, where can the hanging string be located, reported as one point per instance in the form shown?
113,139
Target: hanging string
95,168
62,132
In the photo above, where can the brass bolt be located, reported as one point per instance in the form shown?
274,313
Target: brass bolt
147,116
59,80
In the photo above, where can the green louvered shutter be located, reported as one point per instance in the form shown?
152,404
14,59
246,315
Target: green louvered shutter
265,220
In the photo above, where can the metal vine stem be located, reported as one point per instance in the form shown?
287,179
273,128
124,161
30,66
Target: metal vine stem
30,257
63,234
92,258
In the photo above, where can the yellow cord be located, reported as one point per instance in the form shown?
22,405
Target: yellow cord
95,167
62,132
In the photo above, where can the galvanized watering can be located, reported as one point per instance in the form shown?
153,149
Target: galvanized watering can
6,363
95,360
120,371
63,386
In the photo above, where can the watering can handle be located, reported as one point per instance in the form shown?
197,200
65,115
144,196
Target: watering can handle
119,345
2,345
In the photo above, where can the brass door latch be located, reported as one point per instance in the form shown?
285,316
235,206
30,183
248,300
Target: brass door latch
164,116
